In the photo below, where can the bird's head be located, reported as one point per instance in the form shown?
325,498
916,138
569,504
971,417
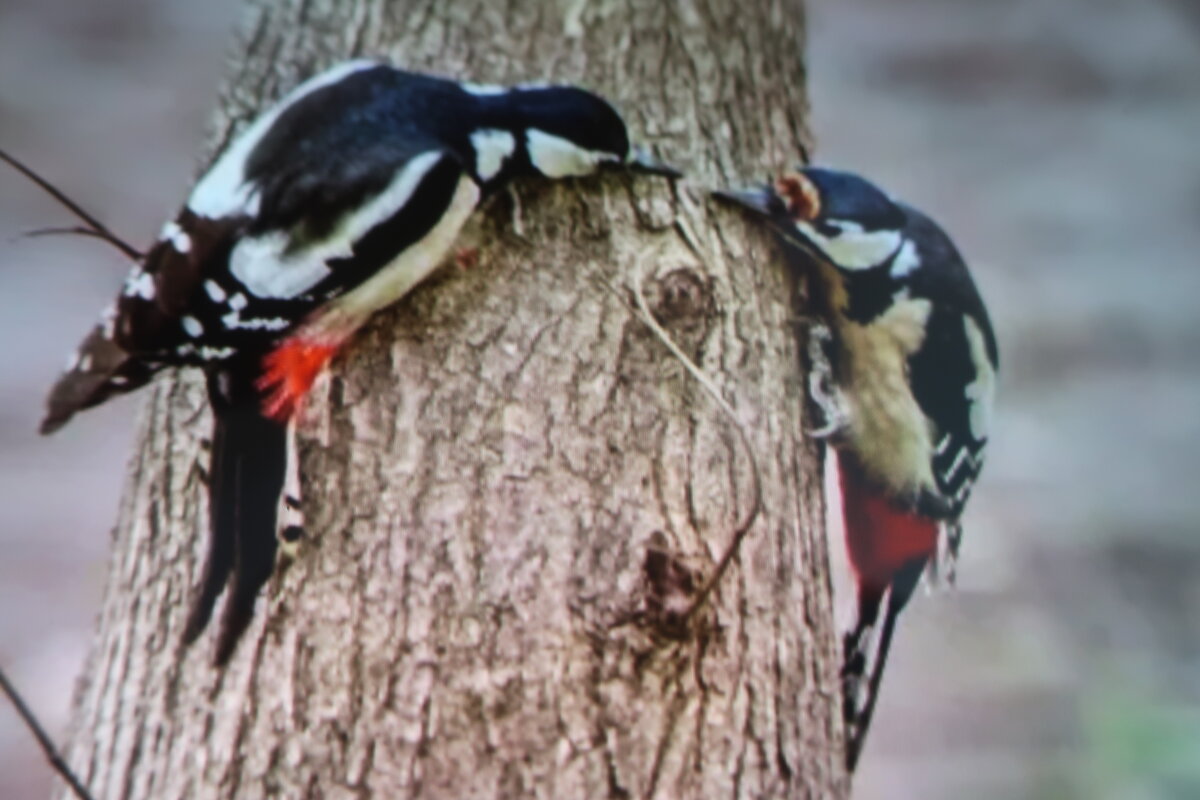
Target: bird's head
837,216
571,132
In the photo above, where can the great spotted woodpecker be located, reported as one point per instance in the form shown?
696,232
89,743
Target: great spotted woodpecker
332,205
911,368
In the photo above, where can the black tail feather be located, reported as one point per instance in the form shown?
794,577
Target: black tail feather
222,525
249,459
858,718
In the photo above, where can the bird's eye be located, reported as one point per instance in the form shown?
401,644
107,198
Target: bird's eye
803,200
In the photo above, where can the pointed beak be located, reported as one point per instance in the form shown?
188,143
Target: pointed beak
642,160
760,200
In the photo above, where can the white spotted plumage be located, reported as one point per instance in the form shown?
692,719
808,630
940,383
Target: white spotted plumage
914,362
335,202
140,284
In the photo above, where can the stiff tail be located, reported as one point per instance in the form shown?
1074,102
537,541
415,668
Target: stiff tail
246,479
866,654
889,546
99,369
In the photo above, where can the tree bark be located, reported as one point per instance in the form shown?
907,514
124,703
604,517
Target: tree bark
508,477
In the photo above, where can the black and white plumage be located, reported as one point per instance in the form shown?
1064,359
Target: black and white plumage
330,206
913,362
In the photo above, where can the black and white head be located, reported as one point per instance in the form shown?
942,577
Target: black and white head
837,216
563,132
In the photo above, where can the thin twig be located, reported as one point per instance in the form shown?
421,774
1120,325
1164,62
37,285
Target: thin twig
744,526
56,760
77,230
88,220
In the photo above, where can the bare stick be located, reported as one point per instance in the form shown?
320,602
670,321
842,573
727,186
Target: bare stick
76,230
88,220
56,760
744,526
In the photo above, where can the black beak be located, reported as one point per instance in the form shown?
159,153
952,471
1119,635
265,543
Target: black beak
760,200
641,160
763,202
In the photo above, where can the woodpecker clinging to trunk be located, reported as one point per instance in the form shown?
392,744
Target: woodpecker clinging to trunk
330,206
913,364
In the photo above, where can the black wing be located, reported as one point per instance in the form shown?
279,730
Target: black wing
325,220
953,373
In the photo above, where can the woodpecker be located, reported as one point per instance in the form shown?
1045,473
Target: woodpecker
908,379
333,204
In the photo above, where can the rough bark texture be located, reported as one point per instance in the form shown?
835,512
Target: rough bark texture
499,469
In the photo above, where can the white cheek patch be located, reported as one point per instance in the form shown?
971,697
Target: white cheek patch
267,266
556,157
906,260
981,392
854,248
492,148
222,191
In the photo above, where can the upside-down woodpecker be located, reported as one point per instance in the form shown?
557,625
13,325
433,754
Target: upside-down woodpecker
912,365
333,204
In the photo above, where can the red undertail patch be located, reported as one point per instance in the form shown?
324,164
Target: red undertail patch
881,537
289,371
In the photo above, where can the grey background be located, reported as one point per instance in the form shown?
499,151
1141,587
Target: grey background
1058,140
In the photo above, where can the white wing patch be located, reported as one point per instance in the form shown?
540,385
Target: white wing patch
854,248
980,392
492,148
345,314
556,157
223,190
266,268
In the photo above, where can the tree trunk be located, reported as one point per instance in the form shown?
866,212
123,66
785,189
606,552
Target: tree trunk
509,480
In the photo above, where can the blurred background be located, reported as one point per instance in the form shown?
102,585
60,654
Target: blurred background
1059,142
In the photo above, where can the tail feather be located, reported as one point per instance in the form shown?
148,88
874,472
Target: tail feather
246,479
99,369
866,656
222,523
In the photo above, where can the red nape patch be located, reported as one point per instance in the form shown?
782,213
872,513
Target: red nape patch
288,373
880,537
